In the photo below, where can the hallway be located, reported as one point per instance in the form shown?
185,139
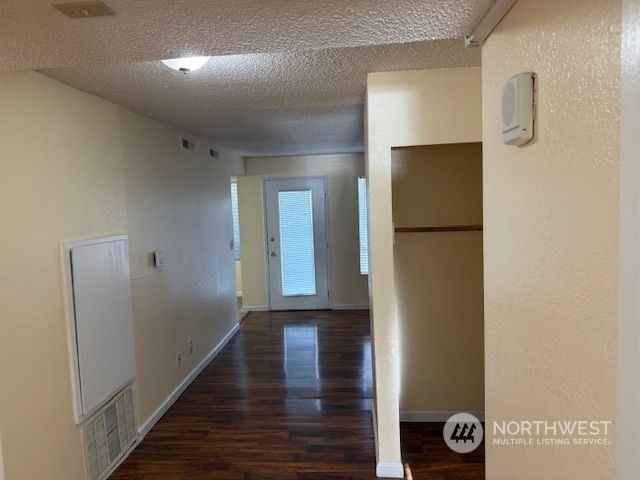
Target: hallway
288,398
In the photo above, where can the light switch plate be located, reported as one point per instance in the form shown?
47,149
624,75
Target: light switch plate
158,259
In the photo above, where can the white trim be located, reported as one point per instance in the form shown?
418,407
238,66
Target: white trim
491,19
239,293
265,238
374,419
1,460
254,308
435,415
327,232
173,396
390,470
350,306
384,469
628,386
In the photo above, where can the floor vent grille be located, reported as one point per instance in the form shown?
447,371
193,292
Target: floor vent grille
109,434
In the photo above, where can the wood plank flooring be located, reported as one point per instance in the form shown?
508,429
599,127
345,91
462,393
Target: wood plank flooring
424,449
288,398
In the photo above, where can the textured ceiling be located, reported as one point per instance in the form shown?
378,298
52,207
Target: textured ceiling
287,77
266,104
35,35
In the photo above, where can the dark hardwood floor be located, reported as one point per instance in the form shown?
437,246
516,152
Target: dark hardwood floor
424,449
288,398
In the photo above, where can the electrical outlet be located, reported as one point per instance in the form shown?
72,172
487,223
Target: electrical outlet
179,358
190,345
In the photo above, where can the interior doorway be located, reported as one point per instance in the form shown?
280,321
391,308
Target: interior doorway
438,265
297,243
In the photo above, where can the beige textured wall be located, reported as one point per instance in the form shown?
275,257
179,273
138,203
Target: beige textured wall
439,279
73,166
348,286
425,107
183,209
551,233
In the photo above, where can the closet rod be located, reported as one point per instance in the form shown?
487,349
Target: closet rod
445,228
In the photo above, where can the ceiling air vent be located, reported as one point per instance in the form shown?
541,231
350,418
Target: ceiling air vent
187,144
84,9
213,153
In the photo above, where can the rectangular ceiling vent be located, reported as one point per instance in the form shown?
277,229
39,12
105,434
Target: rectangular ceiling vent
213,153
109,435
187,144
84,9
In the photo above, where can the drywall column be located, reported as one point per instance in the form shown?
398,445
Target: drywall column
551,212
425,107
628,421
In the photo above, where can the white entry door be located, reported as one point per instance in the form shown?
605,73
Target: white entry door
297,244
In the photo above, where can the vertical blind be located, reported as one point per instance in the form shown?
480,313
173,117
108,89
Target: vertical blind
236,219
362,225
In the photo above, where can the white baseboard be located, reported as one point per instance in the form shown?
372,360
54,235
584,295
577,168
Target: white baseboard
374,419
350,306
384,469
254,308
1,461
436,415
173,396
390,470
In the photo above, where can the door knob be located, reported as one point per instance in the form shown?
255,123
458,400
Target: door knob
272,239
273,254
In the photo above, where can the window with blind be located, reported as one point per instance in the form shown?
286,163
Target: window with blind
362,225
236,219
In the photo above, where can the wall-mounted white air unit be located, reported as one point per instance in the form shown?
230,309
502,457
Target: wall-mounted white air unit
518,109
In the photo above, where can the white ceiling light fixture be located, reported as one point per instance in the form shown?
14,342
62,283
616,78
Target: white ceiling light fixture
186,64
496,13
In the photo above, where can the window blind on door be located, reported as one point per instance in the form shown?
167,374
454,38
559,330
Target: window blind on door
236,219
297,256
